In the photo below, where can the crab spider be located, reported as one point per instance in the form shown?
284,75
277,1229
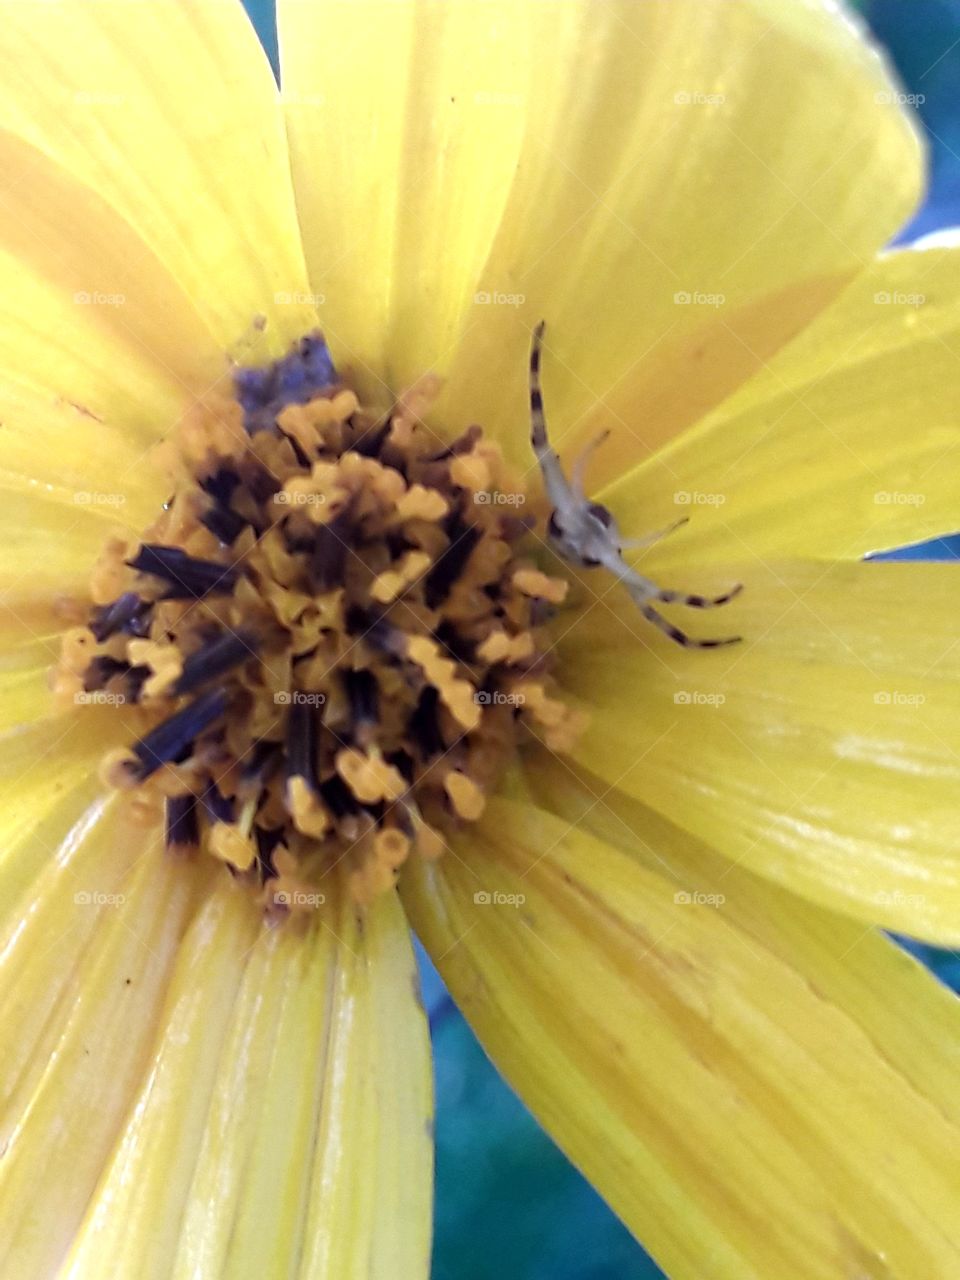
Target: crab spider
585,534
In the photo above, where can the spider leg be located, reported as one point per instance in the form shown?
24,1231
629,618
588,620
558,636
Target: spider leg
634,544
555,482
643,591
697,602
579,471
675,634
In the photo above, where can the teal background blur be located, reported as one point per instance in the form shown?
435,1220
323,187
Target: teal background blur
509,1205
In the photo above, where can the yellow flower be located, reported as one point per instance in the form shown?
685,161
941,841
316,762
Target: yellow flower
665,939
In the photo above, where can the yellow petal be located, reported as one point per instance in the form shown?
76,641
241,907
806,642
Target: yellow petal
758,1088
168,110
48,797
586,164
66,1109
103,349
845,443
821,752
269,1091
49,548
316,1157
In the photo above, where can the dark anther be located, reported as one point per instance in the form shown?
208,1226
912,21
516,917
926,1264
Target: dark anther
267,840
220,518
217,807
302,729
371,441
262,485
377,631
182,827
450,563
127,613
458,647
221,485
424,724
172,739
101,670
363,694
338,797
404,763
463,444
329,556
189,577
217,657
262,762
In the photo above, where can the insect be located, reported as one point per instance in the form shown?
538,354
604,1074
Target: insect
585,533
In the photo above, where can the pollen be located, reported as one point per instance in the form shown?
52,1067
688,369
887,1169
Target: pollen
329,644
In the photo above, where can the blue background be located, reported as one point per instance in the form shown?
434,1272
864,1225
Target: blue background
509,1205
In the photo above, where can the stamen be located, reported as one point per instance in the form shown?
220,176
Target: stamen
171,740
183,828
189,578
127,613
216,659
333,645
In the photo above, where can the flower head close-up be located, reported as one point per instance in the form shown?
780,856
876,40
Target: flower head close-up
438,492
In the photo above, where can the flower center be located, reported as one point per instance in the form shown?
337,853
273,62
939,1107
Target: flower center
331,636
